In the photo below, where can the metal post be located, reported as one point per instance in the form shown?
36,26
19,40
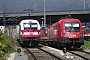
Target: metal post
84,4
44,15
4,15
50,21
42,22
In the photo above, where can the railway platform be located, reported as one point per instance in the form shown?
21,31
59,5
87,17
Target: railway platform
18,56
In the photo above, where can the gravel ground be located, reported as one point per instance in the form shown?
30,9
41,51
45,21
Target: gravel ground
18,56
11,56
88,50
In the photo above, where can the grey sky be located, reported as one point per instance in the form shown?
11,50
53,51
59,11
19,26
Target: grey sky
51,5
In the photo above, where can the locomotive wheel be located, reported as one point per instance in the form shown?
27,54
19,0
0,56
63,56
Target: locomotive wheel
78,46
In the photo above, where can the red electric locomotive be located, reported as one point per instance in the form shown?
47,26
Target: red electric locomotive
43,35
67,32
86,31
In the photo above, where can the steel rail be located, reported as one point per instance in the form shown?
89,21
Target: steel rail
34,57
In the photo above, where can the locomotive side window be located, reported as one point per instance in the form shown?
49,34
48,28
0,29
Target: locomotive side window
87,29
59,26
30,25
72,26
46,30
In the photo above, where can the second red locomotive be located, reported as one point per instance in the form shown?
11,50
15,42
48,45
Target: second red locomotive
67,32
86,31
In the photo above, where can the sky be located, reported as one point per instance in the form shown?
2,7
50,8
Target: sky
38,5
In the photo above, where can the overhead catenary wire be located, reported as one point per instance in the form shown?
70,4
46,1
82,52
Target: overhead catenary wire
32,3
71,4
65,7
56,5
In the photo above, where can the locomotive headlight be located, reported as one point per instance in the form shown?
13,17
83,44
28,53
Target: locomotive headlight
21,33
64,34
81,34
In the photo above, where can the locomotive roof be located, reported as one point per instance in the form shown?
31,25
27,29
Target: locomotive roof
66,19
69,19
28,20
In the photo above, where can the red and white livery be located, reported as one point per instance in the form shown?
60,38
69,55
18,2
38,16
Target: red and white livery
86,31
28,32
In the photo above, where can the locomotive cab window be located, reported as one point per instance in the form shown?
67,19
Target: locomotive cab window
30,25
72,26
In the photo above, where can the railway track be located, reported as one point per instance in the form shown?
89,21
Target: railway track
81,53
48,53
40,54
